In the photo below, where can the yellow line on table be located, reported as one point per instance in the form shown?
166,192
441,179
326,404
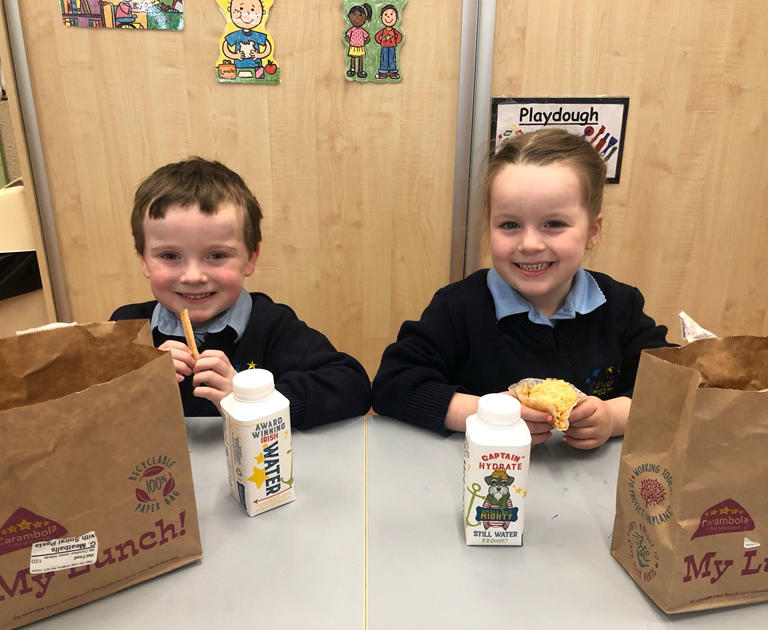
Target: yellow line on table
365,522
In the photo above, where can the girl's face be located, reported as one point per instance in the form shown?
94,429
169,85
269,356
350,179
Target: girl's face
540,231
357,18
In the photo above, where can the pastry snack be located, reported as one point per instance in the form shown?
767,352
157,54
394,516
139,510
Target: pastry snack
552,395
188,333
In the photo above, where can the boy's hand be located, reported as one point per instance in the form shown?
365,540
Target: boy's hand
213,374
182,358
591,424
540,428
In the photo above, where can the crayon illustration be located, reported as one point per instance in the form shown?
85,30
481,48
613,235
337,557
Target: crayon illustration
372,38
246,50
153,15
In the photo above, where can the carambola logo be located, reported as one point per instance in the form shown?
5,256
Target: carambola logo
24,528
723,518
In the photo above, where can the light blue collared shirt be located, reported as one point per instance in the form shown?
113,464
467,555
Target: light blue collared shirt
584,297
236,316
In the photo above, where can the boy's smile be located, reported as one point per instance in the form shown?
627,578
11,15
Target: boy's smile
540,231
196,261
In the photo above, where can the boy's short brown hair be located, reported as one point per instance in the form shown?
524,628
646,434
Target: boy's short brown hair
195,181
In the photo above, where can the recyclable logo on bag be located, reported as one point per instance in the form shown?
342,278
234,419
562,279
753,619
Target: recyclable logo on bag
24,528
723,518
650,488
157,486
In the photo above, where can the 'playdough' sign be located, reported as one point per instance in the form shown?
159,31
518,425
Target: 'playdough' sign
601,121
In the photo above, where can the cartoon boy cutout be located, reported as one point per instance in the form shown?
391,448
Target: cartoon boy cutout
245,46
388,37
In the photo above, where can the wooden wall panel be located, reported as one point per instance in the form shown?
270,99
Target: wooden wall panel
355,180
688,224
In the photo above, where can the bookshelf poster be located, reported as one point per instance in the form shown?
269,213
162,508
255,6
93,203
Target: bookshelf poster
152,15
601,120
246,49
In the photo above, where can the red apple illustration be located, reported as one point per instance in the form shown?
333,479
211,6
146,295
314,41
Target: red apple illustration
271,68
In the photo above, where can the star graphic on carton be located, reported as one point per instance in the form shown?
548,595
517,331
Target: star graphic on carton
518,490
259,476
251,366
25,524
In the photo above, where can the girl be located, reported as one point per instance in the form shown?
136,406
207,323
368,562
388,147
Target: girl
357,37
536,313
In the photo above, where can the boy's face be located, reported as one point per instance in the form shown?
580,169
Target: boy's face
389,17
196,261
246,15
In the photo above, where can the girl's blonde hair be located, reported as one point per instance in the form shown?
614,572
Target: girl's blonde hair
543,148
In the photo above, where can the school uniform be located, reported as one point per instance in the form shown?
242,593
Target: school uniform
479,336
321,384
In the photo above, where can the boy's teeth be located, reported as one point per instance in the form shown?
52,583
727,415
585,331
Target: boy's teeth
196,296
538,267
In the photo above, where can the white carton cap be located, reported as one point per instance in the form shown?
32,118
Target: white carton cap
253,385
499,410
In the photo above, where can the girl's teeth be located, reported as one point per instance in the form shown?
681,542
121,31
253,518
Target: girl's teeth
538,267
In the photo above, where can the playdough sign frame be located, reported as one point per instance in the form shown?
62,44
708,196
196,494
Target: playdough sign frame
601,120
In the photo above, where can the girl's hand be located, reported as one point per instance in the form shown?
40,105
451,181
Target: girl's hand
538,425
591,424
213,376
182,358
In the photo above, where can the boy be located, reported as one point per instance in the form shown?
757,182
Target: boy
197,231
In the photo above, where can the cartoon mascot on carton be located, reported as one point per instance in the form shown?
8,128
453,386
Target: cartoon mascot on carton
498,496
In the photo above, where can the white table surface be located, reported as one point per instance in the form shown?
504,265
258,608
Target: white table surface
298,566
421,573
374,541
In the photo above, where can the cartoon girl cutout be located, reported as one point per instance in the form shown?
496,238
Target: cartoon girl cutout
357,37
388,37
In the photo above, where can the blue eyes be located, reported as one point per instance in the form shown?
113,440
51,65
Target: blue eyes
171,256
514,225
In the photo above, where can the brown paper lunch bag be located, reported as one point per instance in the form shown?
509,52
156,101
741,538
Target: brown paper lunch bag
691,523
96,486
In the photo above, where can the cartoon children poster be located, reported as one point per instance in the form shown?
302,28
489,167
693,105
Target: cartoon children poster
372,38
157,15
246,50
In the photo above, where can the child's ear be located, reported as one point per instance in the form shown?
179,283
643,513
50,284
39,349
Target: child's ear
252,260
594,231
144,268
